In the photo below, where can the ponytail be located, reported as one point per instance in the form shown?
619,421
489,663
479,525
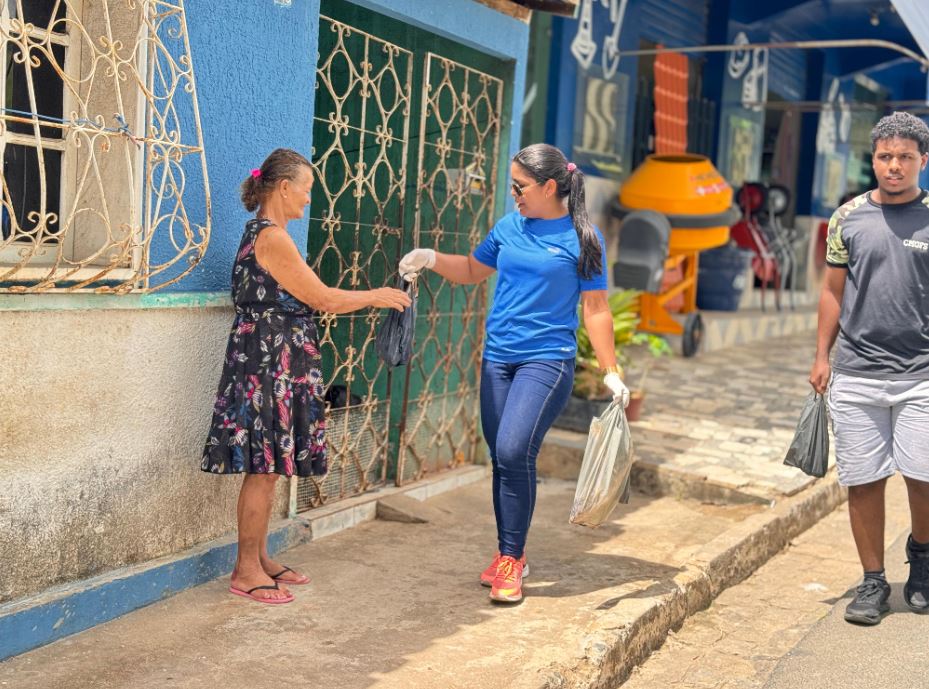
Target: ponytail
544,162
590,261
250,193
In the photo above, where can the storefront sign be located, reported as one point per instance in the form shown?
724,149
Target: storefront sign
583,47
751,66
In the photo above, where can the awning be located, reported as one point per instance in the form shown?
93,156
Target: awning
915,14
567,8
522,9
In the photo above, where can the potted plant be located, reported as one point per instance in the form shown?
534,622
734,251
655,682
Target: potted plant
639,356
589,397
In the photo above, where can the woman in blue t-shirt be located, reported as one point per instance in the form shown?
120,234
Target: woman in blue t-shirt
548,256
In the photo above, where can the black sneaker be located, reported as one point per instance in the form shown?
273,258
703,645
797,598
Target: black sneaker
916,589
870,603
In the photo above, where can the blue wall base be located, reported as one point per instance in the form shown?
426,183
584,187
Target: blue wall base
59,612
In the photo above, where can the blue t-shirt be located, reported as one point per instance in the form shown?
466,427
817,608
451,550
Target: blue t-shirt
534,312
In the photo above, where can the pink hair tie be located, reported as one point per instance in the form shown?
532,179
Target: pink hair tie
256,173
572,167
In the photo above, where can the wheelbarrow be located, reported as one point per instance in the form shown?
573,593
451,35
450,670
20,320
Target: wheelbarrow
749,234
672,207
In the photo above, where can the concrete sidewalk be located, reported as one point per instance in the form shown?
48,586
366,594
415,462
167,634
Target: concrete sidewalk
715,427
399,605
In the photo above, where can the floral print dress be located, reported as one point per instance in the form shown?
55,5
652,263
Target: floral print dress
269,415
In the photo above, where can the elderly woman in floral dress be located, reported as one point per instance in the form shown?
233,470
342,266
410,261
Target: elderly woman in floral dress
269,415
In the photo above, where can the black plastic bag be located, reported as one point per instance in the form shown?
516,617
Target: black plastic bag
395,337
809,451
339,397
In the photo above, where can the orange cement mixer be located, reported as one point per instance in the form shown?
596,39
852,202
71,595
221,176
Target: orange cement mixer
696,202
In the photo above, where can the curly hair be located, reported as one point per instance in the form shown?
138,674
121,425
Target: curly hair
283,163
901,125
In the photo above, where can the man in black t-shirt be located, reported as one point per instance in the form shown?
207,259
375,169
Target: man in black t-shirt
875,305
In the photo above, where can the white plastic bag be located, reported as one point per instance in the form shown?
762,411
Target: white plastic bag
604,478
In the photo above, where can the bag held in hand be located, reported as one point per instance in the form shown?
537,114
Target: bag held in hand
604,479
809,451
395,337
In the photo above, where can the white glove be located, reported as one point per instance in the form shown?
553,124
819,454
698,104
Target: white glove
415,261
617,387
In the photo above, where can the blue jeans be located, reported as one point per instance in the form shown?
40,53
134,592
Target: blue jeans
519,402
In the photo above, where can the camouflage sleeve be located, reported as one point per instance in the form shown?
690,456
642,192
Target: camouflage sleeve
836,248
836,251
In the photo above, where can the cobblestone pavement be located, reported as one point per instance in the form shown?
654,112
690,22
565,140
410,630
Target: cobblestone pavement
739,640
729,416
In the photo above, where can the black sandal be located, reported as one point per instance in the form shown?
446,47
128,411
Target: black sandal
303,580
270,601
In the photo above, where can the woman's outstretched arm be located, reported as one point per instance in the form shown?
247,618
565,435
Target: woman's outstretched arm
277,253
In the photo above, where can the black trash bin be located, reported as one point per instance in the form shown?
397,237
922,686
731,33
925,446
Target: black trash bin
721,278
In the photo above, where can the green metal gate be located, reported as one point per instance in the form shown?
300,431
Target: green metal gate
407,138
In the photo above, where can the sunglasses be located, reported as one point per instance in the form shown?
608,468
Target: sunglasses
520,189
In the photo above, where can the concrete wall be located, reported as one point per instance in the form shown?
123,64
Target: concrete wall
106,401
102,418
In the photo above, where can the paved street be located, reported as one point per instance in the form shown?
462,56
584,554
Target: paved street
782,628
837,654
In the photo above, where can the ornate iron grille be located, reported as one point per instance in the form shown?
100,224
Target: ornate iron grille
363,115
101,144
428,419
459,143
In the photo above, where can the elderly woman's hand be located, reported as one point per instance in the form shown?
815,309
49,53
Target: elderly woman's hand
389,298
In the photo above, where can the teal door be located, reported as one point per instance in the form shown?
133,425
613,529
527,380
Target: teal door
407,137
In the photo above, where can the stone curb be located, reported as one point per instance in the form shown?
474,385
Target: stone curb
609,652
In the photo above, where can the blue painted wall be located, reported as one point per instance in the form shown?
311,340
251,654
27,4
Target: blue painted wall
901,81
668,22
255,66
807,75
793,75
786,69
787,78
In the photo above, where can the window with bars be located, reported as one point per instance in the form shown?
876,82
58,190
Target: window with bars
96,162
32,94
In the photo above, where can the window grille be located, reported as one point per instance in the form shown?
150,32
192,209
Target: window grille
101,145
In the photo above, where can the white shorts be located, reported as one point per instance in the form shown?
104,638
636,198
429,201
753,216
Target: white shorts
880,426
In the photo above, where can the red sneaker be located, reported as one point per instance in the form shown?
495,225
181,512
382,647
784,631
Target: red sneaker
487,576
508,584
